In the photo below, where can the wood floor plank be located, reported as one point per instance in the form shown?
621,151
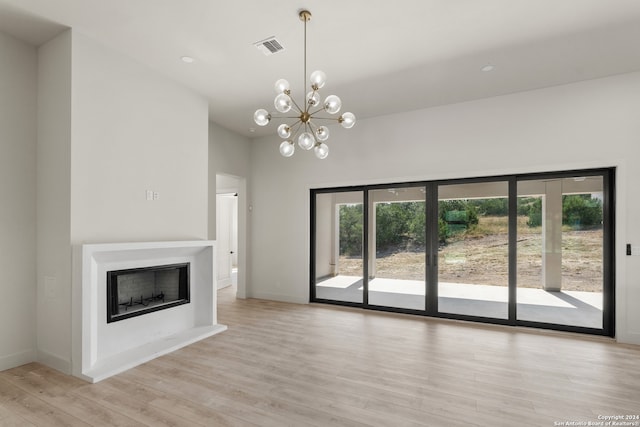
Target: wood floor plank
213,390
253,392
314,365
14,421
9,418
56,390
33,409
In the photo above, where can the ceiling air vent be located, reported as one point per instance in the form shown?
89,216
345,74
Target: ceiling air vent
269,46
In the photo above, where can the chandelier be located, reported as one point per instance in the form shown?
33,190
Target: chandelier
303,125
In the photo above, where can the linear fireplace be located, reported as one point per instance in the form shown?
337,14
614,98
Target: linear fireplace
137,291
102,349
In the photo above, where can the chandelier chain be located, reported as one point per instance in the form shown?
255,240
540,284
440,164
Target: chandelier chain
304,76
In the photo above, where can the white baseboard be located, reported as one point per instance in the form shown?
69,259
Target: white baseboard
220,284
628,338
17,359
279,297
55,362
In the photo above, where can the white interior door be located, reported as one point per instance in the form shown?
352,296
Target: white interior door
224,233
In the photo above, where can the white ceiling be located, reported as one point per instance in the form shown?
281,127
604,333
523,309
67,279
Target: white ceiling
381,57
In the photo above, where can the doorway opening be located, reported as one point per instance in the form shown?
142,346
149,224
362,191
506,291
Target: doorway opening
230,233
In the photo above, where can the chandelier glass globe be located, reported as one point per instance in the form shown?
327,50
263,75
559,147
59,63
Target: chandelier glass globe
313,98
282,86
318,79
347,120
282,103
321,151
306,141
262,117
322,133
332,104
287,148
284,131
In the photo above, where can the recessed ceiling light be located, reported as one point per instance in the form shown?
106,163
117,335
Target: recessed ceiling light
252,130
187,59
488,68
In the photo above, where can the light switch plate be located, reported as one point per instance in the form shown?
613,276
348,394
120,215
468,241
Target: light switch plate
50,287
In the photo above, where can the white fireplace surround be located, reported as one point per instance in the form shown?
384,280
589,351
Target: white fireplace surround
102,349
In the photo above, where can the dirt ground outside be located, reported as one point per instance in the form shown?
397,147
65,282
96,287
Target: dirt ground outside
479,258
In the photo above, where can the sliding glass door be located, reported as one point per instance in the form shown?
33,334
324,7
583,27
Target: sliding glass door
338,248
473,253
531,250
561,250
397,230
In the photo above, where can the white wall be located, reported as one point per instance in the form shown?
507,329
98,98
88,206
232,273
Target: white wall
53,177
18,112
583,125
230,152
109,129
135,130
230,155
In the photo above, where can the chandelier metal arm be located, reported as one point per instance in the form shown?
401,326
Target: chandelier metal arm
294,132
317,111
314,132
312,126
326,118
308,103
298,124
300,110
287,117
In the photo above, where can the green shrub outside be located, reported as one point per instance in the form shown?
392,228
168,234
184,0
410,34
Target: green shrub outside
578,211
351,230
403,223
400,223
581,211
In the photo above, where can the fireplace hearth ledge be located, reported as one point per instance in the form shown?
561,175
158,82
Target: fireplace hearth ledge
102,349
139,355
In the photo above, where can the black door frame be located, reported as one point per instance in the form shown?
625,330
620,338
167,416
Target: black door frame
431,249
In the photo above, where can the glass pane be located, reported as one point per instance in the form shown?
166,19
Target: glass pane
560,251
338,263
473,257
397,252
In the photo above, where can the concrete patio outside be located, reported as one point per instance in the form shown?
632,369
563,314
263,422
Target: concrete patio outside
573,308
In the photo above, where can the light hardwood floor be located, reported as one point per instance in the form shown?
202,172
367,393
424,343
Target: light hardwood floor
296,365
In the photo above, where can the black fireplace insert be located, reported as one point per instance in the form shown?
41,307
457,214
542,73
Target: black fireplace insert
137,291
